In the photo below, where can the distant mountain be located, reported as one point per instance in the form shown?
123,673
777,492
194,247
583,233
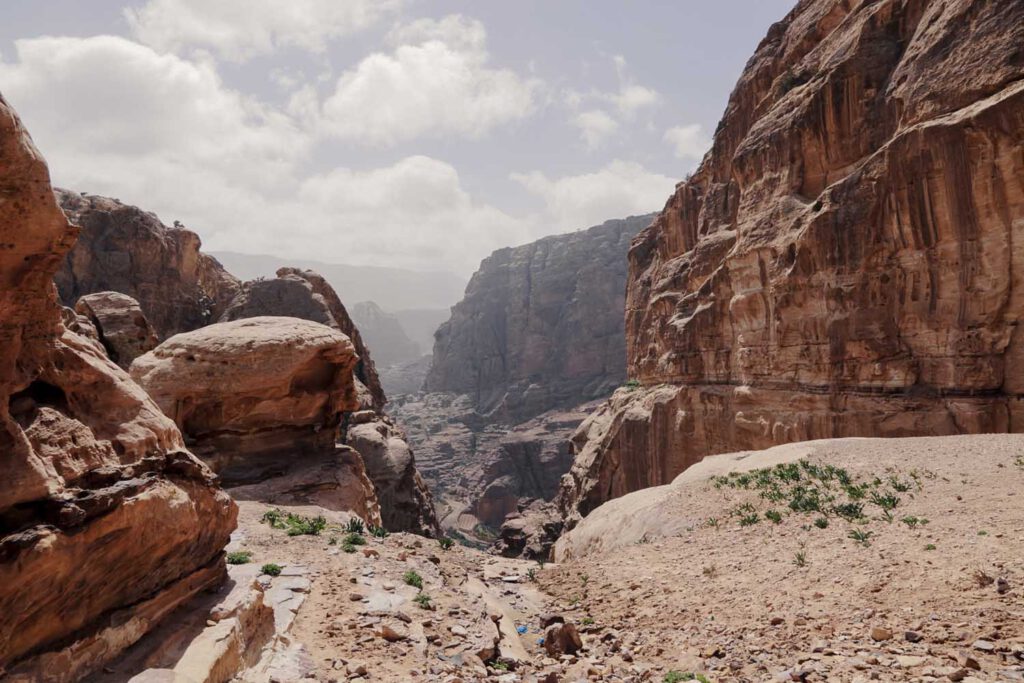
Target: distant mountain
421,324
384,334
391,288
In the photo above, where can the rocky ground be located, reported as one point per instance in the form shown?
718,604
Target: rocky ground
685,582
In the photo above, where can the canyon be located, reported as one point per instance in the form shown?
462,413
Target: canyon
537,337
768,433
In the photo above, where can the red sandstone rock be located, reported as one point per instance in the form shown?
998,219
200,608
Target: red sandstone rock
844,262
106,522
121,326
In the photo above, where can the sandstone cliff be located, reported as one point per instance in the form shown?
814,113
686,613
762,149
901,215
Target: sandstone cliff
106,523
405,501
845,261
385,333
121,326
124,249
540,325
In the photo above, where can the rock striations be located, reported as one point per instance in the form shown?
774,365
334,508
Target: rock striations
124,249
97,484
845,261
540,326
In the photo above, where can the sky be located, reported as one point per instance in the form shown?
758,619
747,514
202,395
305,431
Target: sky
418,134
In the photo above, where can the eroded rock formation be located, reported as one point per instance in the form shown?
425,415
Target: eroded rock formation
405,501
120,325
261,400
539,327
106,522
385,334
124,249
845,261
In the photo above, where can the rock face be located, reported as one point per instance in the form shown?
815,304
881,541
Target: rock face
844,262
539,326
385,334
124,249
405,501
120,325
106,523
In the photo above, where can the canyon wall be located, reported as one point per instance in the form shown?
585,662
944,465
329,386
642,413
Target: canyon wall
539,326
538,334
847,259
107,523
124,249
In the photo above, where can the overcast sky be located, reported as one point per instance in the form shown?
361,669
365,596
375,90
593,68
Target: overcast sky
412,133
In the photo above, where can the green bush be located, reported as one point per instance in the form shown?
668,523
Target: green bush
379,532
422,599
353,538
296,525
413,579
239,557
354,526
445,543
271,569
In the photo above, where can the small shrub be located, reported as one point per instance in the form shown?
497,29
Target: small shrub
422,599
531,574
912,521
713,522
413,579
354,526
275,518
379,532
632,384
445,543
860,536
305,526
774,515
587,621
849,511
821,522
889,501
677,676
800,559
499,665
333,540
584,579
355,539
348,548
271,569
983,533
930,546
749,520
239,557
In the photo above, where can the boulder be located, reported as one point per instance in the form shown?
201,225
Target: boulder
107,523
263,398
120,325
844,262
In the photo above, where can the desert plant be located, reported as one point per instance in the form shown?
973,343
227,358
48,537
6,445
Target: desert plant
849,511
584,579
413,579
239,557
749,520
445,543
355,526
632,384
930,546
531,574
379,532
305,526
821,522
800,559
274,517
422,599
860,536
587,621
774,515
713,522
353,538
710,571
912,521
348,548
271,569
887,501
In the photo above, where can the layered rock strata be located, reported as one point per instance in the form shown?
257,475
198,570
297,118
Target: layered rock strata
540,326
261,400
845,261
122,248
107,523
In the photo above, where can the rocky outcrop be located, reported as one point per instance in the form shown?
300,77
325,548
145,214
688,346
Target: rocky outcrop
120,325
385,334
263,398
107,523
540,325
844,262
405,501
304,294
124,249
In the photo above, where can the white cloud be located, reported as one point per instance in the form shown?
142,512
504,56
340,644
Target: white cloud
437,81
116,118
619,189
688,142
595,125
240,29
632,98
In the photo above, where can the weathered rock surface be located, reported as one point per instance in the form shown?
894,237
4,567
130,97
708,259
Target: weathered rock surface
845,261
263,398
385,334
405,501
106,523
539,326
399,379
121,326
530,532
124,249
